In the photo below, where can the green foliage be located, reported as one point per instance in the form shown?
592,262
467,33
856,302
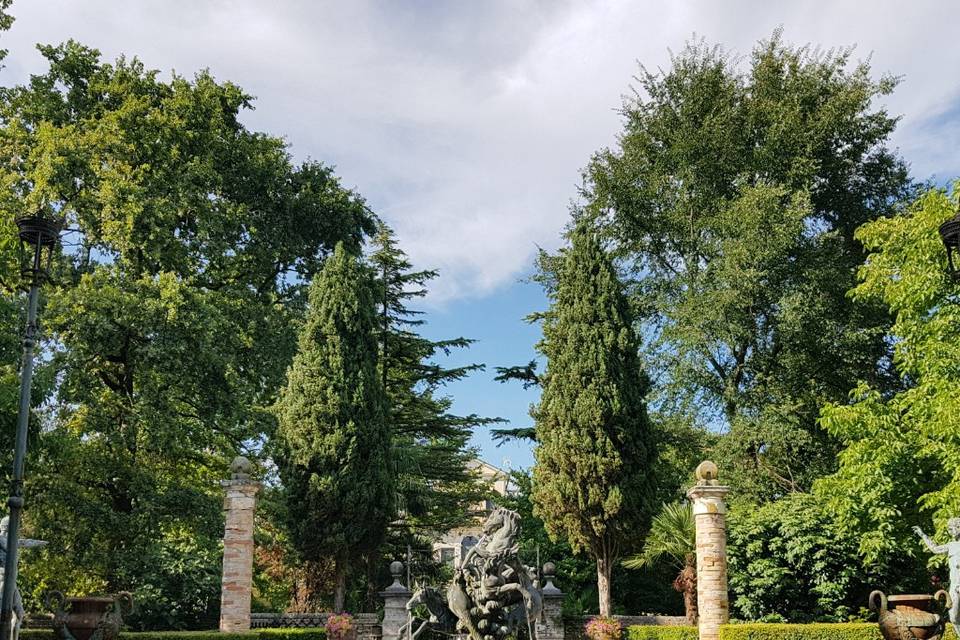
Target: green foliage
732,195
591,484
6,21
842,631
901,459
333,451
650,632
672,537
790,561
170,320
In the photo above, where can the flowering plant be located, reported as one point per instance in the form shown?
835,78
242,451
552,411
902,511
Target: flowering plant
603,628
340,626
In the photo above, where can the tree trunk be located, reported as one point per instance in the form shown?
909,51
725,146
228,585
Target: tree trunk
686,583
340,585
603,584
373,564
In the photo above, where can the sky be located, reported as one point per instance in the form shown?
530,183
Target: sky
465,124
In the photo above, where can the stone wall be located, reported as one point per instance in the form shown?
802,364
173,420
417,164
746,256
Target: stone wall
368,624
573,626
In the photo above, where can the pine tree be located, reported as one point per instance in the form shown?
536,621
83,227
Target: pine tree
592,479
333,429
435,485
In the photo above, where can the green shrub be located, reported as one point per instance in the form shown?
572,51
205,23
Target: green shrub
653,632
256,634
815,631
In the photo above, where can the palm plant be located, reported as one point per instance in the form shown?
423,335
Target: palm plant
672,538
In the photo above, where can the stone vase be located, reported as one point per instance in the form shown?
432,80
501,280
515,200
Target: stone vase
88,617
911,616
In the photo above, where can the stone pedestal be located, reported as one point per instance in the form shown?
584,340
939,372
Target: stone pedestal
239,506
395,598
709,512
550,625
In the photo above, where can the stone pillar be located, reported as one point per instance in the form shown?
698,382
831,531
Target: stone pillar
239,506
395,598
709,512
549,626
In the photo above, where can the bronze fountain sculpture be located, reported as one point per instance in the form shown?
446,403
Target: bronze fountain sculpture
492,594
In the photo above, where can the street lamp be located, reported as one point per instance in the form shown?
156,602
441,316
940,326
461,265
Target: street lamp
950,234
38,234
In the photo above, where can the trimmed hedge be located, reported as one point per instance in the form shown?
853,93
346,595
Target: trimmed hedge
815,631
657,632
255,634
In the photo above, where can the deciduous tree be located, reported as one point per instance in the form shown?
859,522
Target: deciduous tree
734,191
170,319
900,463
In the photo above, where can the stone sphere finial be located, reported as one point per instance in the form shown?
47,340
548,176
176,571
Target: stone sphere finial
549,573
241,468
706,473
396,570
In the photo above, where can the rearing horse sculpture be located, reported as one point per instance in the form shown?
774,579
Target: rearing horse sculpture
492,593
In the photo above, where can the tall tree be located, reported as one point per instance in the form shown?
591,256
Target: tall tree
592,482
435,484
734,192
334,438
171,316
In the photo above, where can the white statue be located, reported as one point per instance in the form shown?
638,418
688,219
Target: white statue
25,543
952,551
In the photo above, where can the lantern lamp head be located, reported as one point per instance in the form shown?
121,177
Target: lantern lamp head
950,234
39,235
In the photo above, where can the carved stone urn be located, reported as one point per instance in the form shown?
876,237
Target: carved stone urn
911,616
88,617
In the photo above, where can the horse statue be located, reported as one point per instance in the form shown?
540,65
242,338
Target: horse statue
441,619
491,594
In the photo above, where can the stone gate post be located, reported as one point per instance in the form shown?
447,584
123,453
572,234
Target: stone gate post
395,598
709,512
239,506
550,624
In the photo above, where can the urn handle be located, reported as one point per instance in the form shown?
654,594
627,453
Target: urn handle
55,601
878,601
125,603
943,598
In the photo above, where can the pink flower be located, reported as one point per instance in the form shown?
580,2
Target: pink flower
603,628
339,626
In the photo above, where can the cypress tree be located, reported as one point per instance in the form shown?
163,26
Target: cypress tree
592,482
333,431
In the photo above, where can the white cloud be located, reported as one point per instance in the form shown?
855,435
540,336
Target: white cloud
466,124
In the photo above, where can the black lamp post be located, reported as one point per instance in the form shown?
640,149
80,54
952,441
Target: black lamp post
950,234
39,234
